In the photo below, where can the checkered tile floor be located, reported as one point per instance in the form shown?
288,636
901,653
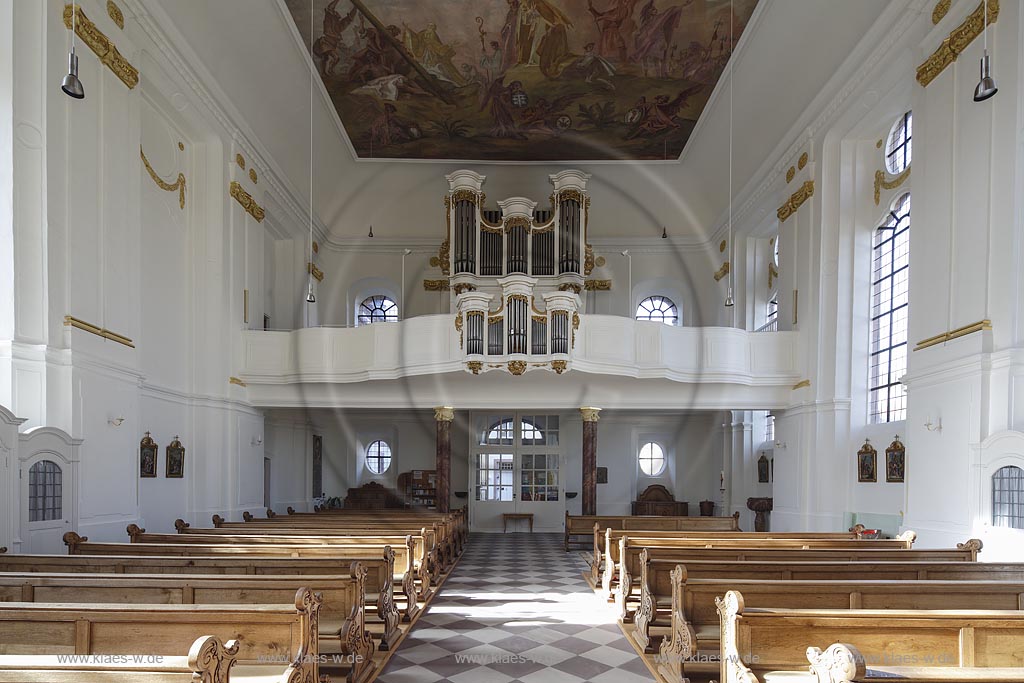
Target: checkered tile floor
516,608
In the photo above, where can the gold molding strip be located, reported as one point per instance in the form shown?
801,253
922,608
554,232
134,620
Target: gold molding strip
237,381
115,14
882,184
956,42
722,272
796,200
315,272
801,384
247,202
71,321
245,305
178,186
941,8
436,285
101,45
597,285
954,334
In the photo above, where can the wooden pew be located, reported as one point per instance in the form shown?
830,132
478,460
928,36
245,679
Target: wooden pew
379,564
426,562
342,623
843,663
583,525
207,660
694,615
757,641
659,580
628,568
370,555
606,540
264,632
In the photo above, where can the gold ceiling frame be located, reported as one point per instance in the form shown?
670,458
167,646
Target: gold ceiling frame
248,203
882,184
177,186
100,44
956,42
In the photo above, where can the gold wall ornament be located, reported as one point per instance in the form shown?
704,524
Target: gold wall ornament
796,200
177,186
533,306
790,174
722,272
801,384
436,285
796,306
882,184
517,367
463,287
466,196
941,8
315,272
597,285
881,141
99,43
600,261
240,160
954,334
475,366
236,381
316,247
252,176
575,327
570,287
543,319
559,366
247,202
721,247
245,305
956,42
517,222
115,14
71,321
443,258
802,161
181,146
588,260
773,273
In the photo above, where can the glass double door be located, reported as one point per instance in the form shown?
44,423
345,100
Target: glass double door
515,469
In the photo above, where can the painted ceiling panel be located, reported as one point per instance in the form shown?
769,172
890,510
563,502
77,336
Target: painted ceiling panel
520,80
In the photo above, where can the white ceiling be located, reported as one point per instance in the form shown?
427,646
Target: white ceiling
792,50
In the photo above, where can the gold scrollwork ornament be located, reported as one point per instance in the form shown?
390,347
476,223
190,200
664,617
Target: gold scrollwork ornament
177,186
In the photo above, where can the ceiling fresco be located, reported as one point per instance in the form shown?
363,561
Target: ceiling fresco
520,80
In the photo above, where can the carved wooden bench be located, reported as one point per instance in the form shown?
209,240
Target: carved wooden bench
662,585
627,571
270,637
770,644
369,555
342,623
843,663
583,525
207,660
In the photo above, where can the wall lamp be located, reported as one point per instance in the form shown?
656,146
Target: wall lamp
115,421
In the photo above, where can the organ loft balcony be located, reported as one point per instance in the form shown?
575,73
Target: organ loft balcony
517,324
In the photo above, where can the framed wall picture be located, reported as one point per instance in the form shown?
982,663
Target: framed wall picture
762,469
602,475
318,465
867,463
148,452
895,461
175,460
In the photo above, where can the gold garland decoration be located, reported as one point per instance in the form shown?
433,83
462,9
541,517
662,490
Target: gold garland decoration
178,186
956,42
796,200
436,285
99,43
247,202
597,285
722,272
882,184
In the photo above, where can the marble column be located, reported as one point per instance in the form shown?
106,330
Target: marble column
590,418
443,416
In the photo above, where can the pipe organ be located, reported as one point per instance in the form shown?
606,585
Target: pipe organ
516,273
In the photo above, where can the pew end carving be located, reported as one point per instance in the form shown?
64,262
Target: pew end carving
218,521
840,663
180,525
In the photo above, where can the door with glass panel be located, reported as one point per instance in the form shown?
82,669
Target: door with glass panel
45,506
515,469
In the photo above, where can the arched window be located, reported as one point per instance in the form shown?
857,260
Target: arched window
898,147
45,491
1008,497
658,309
378,457
652,459
531,431
378,309
889,309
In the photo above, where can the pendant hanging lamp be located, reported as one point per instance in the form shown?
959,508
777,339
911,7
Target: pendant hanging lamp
986,86
72,85
729,302
310,295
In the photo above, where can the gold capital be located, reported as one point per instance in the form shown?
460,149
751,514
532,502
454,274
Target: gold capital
590,414
444,413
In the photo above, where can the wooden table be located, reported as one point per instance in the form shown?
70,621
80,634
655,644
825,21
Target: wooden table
505,516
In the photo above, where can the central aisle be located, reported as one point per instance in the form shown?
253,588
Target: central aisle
516,608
